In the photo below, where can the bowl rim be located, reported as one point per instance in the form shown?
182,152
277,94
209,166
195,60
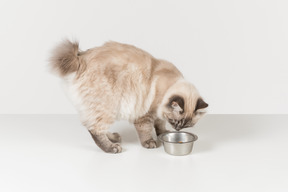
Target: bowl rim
161,135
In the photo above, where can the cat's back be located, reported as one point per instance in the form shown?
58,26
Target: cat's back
118,56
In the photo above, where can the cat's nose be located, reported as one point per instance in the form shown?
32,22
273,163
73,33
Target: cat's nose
178,128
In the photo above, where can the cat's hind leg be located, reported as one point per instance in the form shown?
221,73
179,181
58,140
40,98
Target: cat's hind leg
105,143
98,128
114,137
98,121
144,127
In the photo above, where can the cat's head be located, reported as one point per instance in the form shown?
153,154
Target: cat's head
182,106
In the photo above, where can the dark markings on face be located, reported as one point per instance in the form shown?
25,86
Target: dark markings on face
180,124
187,122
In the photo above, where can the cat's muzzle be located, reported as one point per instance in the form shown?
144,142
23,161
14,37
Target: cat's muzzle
178,128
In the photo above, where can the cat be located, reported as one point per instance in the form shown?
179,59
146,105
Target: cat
121,82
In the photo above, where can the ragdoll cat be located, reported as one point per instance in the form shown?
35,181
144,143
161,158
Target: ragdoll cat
119,81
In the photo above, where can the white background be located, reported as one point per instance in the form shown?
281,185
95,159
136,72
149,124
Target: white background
235,52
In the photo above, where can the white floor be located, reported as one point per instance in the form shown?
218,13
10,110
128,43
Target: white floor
55,153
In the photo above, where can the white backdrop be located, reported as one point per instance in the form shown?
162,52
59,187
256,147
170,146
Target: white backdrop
234,51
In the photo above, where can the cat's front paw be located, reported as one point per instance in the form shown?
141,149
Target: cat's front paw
149,144
114,137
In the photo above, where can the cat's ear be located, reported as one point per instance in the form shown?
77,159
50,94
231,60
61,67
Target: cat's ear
176,103
200,104
200,109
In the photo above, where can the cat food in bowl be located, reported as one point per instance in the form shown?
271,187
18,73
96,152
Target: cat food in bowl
178,143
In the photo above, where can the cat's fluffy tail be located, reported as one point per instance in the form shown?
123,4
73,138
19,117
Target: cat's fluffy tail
64,59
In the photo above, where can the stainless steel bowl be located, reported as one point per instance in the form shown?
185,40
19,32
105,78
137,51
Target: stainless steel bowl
178,143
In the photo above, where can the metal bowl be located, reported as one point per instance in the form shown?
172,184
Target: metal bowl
178,143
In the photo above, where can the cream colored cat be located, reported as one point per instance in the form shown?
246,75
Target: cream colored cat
118,81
